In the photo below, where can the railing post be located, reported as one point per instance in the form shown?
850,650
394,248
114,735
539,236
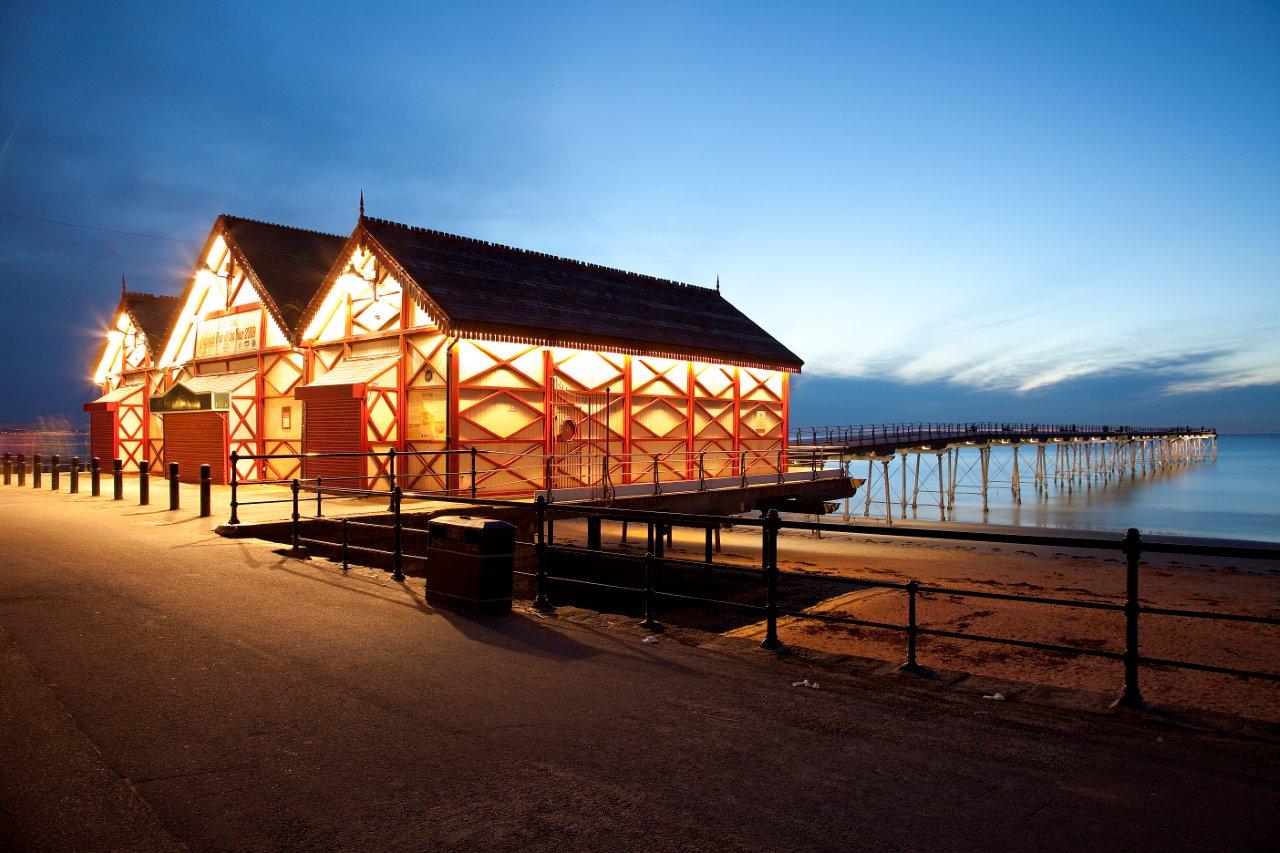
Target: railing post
1131,696
657,489
391,477
206,481
54,462
397,554
144,482
235,476
22,469
74,471
174,497
35,470
769,555
780,477
546,473
913,589
742,467
707,549
319,492
649,622
8,469
346,540
593,533
95,477
702,470
473,472
541,601
294,488
117,479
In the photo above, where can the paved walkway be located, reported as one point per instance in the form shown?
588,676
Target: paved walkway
162,686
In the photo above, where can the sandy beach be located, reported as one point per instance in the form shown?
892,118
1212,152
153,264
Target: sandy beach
1213,584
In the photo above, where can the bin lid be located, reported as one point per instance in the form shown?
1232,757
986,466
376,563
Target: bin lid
470,523
464,528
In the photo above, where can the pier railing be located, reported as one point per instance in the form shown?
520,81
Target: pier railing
878,435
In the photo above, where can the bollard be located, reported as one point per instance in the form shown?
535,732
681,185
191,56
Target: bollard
117,474
54,461
8,469
541,601
1131,696
319,493
35,470
397,554
75,475
206,481
769,552
235,457
22,469
346,540
144,482
95,477
649,622
913,589
173,485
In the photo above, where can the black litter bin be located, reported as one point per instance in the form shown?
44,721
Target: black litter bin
470,563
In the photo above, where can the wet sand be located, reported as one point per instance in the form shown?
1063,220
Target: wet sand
1198,583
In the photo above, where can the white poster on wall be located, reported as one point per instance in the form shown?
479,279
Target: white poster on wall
233,334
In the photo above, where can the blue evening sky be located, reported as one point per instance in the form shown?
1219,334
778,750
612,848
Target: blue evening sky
955,210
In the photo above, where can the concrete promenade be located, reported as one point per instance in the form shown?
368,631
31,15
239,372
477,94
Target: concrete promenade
161,686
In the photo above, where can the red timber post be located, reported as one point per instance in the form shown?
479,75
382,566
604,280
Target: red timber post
786,418
548,408
626,419
689,428
402,380
737,421
454,403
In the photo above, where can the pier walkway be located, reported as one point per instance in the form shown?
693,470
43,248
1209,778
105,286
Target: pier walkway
940,458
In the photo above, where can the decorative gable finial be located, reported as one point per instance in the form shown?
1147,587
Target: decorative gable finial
122,286
362,204
717,282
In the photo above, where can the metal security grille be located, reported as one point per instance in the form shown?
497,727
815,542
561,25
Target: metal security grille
102,436
193,439
333,426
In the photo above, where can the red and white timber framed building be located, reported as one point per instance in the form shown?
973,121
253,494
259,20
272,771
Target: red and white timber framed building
229,364
121,425
422,341
557,373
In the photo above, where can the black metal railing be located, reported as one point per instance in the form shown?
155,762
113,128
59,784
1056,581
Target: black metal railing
773,580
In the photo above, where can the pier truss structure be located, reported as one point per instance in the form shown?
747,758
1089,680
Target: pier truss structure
917,468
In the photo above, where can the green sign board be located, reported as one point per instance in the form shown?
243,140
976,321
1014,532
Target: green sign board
181,399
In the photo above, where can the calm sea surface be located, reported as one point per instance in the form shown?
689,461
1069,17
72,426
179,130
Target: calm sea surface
1237,497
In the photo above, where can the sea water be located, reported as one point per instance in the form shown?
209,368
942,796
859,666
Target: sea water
1236,497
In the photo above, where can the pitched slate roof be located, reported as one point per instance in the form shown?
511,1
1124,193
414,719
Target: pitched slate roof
152,314
289,264
490,290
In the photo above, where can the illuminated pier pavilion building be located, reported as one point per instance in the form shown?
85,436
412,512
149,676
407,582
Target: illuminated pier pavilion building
126,371
558,373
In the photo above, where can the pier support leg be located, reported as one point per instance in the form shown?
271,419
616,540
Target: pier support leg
888,498
871,472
